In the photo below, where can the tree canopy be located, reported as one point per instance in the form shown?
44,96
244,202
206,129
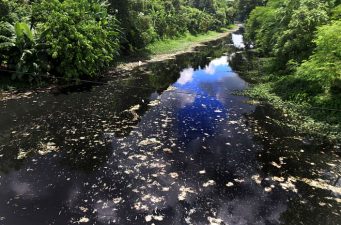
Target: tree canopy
303,36
76,38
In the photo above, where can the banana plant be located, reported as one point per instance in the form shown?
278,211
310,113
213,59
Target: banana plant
18,44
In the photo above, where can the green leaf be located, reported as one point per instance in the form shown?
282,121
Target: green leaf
22,29
6,45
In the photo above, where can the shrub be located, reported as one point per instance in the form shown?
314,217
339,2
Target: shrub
81,38
19,49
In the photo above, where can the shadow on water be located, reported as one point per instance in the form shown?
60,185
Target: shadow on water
312,165
169,145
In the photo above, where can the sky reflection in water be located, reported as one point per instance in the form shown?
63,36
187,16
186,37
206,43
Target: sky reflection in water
202,103
191,158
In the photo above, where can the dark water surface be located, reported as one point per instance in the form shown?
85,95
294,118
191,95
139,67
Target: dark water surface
170,144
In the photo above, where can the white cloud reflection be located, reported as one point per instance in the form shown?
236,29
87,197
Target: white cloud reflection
238,41
186,76
211,68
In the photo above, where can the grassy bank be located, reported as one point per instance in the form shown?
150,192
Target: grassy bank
302,115
185,42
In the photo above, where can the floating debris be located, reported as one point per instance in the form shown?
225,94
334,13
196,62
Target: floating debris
183,192
174,175
117,200
168,150
149,141
47,148
320,184
171,88
148,218
276,165
202,171
215,221
229,184
278,179
83,209
83,220
139,206
268,189
287,185
135,108
23,154
158,218
154,103
232,122
239,180
165,189
257,179
138,156
209,183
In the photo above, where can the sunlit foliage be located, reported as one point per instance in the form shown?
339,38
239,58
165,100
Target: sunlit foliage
303,38
318,79
76,38
286,29
81,37
144,22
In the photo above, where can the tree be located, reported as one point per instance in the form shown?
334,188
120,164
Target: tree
244,7
285,29
81,37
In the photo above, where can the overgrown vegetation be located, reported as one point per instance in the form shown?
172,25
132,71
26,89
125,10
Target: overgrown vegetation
182,43
299,45
81,38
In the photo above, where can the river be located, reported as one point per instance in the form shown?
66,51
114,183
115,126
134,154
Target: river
169,143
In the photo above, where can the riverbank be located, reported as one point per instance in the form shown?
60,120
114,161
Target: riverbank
267,88
187,41
158,51
301,117
168,49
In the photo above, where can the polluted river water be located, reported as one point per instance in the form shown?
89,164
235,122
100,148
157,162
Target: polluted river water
169,143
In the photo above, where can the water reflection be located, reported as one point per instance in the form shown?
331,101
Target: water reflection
203,110
238,41
192,157
181,150
213,154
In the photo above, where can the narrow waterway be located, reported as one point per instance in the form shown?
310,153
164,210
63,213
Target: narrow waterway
169,144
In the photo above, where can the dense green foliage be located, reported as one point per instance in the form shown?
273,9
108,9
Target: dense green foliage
75,38
69,38
144,22
318,79
244,7
81,37
286,29
301,42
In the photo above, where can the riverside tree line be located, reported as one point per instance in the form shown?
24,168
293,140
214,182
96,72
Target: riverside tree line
74,38
299,42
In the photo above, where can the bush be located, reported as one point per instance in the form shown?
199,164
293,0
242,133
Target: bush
286,29
12,12
318,79
141,32
197,21
81,37
324,66
19,49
